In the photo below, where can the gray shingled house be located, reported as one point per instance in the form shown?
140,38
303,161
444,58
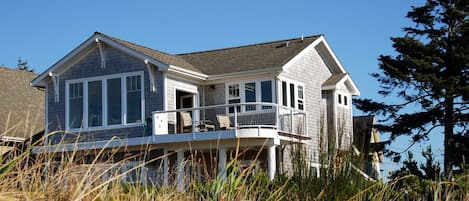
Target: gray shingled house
21,108
262,97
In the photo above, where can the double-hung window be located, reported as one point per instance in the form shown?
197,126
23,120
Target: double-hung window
106,101
234,97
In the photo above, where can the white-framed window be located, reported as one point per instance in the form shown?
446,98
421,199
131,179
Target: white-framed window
250,91
292,94
102,102
343,99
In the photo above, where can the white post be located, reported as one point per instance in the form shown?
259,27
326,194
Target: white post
271,161
222,162
180,171
165,168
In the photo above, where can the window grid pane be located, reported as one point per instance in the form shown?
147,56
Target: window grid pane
75,117
284,93
114,102
134,99
266,93
95,104
292,95
250,95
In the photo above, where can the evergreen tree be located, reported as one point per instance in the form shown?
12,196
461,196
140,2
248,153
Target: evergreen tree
429,74
23,65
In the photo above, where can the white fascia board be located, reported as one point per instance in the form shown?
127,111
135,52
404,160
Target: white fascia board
36,82
185,72
334,57
60,64
302,53
243,74
348,79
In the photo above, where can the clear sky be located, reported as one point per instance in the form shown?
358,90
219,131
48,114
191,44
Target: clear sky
42,32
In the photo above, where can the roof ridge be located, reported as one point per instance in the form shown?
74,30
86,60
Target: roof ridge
248,45
17,70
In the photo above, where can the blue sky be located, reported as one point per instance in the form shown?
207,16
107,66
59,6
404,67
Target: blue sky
357,31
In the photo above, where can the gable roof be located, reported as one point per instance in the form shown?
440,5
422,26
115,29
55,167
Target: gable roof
155,54
249,57
21,106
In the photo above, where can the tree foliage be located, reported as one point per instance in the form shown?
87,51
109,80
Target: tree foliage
429,75
23,65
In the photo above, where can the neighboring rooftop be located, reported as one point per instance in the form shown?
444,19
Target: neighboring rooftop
21,106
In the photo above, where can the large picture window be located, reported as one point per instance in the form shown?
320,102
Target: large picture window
108,101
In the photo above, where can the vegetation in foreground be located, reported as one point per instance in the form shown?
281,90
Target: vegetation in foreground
61,177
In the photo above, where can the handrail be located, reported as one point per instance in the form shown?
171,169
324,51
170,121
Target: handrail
231,105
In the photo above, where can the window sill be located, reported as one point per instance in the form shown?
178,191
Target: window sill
105,128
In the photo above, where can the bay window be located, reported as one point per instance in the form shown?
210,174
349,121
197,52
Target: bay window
106,101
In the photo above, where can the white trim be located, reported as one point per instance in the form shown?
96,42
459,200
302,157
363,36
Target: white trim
11,139
346,79
302,53
242,74
151,75
165,90
77,51
186,72
104,123
101,53
242,93
295,89
55,83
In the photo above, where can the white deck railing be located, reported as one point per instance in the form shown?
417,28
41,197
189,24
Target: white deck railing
240,115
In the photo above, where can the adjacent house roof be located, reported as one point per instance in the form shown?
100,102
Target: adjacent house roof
249,57
21,106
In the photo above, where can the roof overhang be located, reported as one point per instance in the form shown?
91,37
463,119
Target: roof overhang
82,50
345,80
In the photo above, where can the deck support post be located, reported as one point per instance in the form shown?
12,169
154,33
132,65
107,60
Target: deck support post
222,162
180,187
165,167
271,162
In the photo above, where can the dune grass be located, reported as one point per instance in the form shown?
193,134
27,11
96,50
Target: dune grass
63,176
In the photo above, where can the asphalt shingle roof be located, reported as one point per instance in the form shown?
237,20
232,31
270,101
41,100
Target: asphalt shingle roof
236,59
21,106
249,57
333,79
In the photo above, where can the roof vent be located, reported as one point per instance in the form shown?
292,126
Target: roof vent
287,43
302,37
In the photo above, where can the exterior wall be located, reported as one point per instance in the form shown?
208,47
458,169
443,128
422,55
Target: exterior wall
90,66
345,120
311,71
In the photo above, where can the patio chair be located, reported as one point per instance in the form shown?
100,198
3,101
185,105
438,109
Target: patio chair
186,121
224,122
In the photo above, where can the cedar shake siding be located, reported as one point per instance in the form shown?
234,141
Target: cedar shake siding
90,66
311,71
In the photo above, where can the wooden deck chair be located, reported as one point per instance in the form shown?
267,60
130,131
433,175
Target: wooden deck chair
224,122
186,122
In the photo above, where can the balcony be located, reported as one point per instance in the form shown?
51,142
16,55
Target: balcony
241,120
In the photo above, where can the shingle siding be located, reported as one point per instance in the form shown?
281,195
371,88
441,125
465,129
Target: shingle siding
312,72
90,66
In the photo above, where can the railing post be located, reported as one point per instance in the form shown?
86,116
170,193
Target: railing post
277,118
291,120
235,117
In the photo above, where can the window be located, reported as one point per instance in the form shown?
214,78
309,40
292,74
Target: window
293,95
75,105
345,100
95,104
284,94
250,92
250,95
266,93
300,98
234,97
105,101
114,101
134,100
339,99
